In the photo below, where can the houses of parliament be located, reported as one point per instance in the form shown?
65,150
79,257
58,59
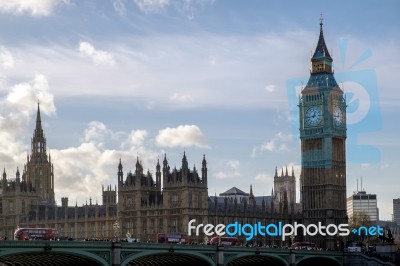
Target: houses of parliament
144,205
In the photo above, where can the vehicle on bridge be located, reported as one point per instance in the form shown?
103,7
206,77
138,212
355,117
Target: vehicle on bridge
36,234
224,241
177,238
304,245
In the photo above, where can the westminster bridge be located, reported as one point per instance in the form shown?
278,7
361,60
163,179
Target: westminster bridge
123,253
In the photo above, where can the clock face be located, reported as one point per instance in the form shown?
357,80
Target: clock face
337,116
313,116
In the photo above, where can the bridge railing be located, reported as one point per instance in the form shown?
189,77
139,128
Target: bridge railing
55,244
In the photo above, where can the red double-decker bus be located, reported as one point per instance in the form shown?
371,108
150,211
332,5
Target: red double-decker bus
36,234
177,238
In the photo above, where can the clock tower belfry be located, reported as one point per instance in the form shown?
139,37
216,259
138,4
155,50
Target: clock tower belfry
322,109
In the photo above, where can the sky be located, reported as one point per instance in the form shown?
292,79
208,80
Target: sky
122,79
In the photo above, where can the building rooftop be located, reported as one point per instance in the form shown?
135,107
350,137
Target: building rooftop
234,191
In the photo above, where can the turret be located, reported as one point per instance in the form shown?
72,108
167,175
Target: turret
158,175
64,202
4,180
120,173
251,197
204,170
17,178
138,171
185,168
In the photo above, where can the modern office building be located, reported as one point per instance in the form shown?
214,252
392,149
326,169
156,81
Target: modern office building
396,211
361,205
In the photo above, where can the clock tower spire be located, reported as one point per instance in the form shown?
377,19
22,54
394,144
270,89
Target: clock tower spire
322,109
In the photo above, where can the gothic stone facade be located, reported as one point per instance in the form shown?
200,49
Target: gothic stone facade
143,207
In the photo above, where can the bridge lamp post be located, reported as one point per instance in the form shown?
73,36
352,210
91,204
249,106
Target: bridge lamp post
292,239
116,228
338,241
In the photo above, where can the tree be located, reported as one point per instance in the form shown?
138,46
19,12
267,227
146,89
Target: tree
355,222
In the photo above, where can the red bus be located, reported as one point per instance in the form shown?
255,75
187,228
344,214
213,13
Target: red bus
225,240
177,238
36,234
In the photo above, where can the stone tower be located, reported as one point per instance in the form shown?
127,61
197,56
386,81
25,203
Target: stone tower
185,195
322,109
39,170
23,197
285,190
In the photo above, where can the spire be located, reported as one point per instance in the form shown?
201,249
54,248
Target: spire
276,171
120,165
321,66
4,174
185,166
158,167
286,171
38,119
292,170
321,51
165,162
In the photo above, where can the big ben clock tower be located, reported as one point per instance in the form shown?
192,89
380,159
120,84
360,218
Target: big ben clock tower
322,109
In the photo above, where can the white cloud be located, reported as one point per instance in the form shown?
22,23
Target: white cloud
229,175
270,88
269,146
151,6
234,164
279,143
182,136
23,96
232,170
92,163
98,56
264,178
16,111
182,97
173,62
135,139
119,7
6,58
97,133
187,8
36,8
264,181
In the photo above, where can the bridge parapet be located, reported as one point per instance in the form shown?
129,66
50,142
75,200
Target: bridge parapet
124,253
94,253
